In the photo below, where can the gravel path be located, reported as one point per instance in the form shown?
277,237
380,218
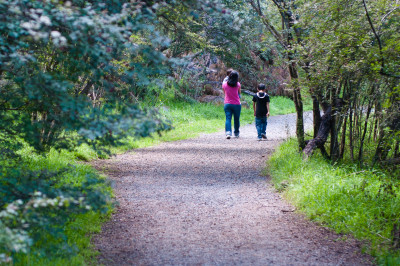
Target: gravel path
203,201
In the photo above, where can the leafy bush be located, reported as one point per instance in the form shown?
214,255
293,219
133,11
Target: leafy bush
37,204
68,69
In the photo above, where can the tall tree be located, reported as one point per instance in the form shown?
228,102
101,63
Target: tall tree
288,36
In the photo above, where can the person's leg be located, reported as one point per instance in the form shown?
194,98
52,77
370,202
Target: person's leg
266,123
259,127
264,126
236,118
228,120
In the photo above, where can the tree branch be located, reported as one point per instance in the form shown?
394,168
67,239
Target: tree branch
267,23
273,31
256,8
382,60
373,29
259,7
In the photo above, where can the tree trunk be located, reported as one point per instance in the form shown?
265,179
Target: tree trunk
351,129
299,106
316,115
343,141
300,121
322,136
334,135
360,152
382,148
324,130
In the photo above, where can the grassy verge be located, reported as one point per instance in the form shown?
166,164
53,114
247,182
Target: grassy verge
362,202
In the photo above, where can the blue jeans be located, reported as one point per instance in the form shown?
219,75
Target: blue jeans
261,125
232,109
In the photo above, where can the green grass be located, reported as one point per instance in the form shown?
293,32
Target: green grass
79,233
362,202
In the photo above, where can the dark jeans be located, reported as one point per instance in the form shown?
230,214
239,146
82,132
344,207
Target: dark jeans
261,125
232,109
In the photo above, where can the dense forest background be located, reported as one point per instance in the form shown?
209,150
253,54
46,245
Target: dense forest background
76,73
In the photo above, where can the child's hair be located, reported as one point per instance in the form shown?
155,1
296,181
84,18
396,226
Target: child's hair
229,71
261,87
233,78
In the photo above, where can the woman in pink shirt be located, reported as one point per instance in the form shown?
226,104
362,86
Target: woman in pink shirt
232,104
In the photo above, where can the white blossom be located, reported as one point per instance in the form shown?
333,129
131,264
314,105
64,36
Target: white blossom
4,258
55,34
63,41
45,20
15,10
27,25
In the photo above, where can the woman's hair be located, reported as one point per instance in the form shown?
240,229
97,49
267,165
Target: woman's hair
229,71
233,78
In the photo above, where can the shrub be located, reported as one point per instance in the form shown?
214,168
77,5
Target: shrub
37,204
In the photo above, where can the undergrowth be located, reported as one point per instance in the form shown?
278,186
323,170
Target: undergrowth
363,202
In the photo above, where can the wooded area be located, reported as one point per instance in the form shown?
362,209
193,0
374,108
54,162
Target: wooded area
74,72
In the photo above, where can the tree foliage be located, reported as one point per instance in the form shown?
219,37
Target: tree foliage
351,51
346,54
70,67
67,75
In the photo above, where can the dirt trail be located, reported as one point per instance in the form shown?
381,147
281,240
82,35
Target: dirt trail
203,201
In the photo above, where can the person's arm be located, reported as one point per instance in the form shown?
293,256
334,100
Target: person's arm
267,109
254,108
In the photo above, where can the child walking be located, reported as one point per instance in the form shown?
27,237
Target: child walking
261,111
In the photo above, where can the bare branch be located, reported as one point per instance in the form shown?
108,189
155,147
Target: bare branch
386,15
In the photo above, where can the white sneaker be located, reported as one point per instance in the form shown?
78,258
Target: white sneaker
259,139
236,137
228,136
